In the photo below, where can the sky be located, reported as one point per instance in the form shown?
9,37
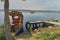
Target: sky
33,4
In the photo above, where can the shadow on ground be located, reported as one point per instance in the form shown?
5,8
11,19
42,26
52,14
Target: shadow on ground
24,35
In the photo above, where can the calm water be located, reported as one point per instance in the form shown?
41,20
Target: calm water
35,16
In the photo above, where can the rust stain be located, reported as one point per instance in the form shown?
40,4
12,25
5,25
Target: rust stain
17,18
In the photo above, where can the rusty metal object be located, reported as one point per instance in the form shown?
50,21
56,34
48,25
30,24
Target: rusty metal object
17,18
37,24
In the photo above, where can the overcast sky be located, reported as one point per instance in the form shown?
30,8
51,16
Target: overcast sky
33,4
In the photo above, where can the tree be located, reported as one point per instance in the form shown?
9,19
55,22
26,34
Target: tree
7,20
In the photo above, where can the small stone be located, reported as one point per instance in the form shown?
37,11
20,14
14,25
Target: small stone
50,27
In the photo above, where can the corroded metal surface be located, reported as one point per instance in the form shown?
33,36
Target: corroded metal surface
17,19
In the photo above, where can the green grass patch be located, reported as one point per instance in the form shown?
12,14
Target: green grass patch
2,33
45,36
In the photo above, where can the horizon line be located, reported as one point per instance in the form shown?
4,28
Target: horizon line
32,10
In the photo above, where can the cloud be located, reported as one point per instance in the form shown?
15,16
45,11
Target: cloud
34,4
1,5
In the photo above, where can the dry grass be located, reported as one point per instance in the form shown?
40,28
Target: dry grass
50,33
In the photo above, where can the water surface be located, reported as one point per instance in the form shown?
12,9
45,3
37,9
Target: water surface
28,16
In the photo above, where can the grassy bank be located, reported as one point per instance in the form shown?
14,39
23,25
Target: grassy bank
43,34
2,33
48,34
38,34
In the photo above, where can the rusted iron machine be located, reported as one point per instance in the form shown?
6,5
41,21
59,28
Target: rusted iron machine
17,22
37,24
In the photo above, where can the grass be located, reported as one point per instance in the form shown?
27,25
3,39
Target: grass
45,34
48,34
2,33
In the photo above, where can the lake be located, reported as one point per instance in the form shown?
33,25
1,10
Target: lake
28,16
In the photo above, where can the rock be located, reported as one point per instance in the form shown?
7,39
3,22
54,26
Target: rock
50,27
35,30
